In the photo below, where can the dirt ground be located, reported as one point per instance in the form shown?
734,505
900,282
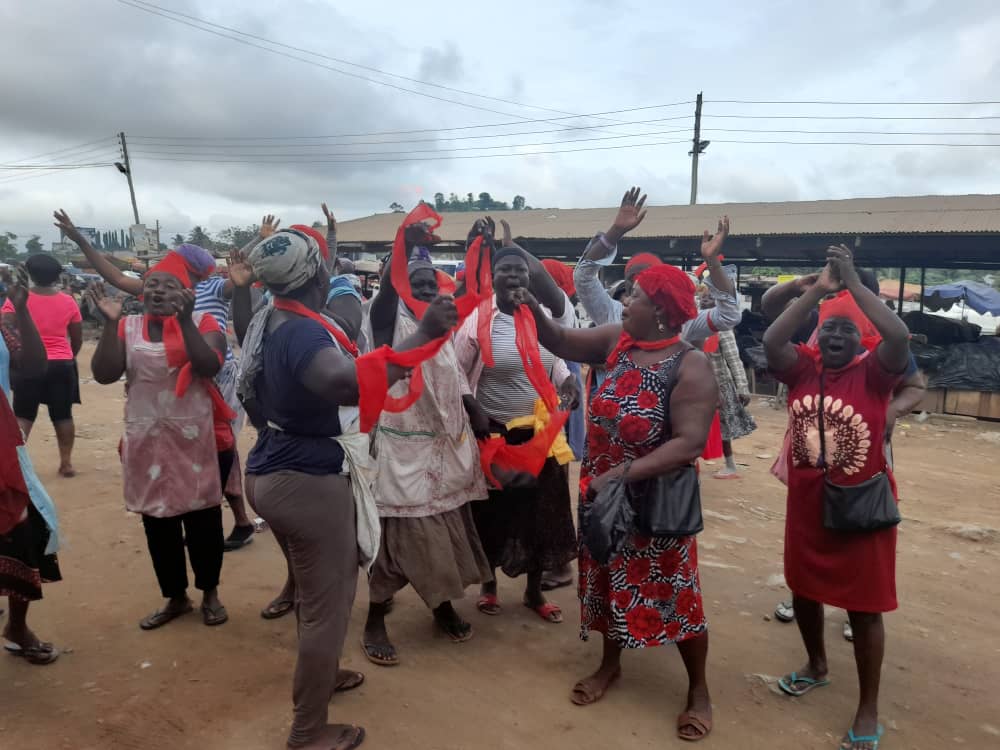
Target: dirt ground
188,686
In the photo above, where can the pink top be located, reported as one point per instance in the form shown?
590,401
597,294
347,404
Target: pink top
52,315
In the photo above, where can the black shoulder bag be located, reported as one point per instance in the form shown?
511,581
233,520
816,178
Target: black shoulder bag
868,506
669,504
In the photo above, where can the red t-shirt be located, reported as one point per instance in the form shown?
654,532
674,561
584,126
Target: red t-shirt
52,314
224,439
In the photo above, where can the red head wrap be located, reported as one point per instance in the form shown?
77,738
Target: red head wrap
642,259
672,290
316,235
561,274
174,263
844,306
704,267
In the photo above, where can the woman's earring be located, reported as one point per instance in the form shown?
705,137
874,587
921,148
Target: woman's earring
661,326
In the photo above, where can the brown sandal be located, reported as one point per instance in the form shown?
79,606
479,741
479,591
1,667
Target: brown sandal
348,679
583,696
703,727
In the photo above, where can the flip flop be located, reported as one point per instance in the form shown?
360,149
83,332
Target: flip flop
549,612
39,654
851,740
702,726
162,616
382,661
213,616
588,698
351,680
787,684
488,604
455,636
277,608
785,612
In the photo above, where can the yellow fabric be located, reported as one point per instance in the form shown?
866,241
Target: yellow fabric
560,449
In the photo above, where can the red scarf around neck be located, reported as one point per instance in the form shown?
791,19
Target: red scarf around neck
626,343
293,306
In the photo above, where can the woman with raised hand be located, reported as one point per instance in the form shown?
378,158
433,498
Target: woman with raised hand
428,481
177,449
650,417
60,324
299,382
838,396
527,527
29,531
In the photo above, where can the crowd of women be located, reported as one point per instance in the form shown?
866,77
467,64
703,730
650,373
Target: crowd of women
422,436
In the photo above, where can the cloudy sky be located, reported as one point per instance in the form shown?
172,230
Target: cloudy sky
201,111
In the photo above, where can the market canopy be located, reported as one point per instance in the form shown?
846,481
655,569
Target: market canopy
979,297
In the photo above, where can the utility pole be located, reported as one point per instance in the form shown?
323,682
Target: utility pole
699,147
126,169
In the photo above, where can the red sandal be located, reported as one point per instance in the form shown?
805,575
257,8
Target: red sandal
549,612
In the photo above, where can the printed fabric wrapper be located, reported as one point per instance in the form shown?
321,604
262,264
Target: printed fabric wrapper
528,457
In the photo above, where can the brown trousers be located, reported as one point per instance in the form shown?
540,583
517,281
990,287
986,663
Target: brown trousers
312,518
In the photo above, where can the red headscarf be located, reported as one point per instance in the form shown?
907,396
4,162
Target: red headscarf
844,306
642,259
672,290
176,265
561,274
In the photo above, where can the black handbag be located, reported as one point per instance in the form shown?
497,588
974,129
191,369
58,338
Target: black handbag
868,506
669,504
607,521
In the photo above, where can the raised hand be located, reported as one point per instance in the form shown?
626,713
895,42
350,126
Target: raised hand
240,271
841,260
268,226
630,212
507,235
711,245
440,318
68,227
331,222
18,295
804,282
827,282
523,296
109,307
184,304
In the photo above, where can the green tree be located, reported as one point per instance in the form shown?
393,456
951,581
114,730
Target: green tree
234,236
200,237
519,203
439,202
34,244
177,240
397,208
8,246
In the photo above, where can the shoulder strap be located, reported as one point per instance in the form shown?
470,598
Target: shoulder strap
820,408
674,373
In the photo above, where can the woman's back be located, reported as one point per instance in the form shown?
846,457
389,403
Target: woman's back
52,314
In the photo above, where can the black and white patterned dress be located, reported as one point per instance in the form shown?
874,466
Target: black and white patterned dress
649,594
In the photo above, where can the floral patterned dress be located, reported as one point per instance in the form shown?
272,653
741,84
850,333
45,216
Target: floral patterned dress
649,594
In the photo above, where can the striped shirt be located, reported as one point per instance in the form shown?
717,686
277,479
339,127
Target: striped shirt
208,298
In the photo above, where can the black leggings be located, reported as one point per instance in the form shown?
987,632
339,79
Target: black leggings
201,531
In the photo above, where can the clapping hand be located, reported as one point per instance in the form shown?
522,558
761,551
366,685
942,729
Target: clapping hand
183,302
841,261
240,271
109,307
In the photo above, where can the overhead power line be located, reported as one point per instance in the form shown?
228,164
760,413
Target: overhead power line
62,152
860,104
276,48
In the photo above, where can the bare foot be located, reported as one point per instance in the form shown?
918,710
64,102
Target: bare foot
67,470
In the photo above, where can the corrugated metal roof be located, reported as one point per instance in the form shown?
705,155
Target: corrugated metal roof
963,214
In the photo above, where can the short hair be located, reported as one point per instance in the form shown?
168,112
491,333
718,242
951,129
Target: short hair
43,269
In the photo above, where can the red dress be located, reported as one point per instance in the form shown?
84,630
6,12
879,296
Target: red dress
853,571
649,594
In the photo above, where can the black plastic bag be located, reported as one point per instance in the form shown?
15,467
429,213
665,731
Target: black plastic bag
607,521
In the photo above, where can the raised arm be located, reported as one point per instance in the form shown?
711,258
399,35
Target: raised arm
540,282
30,359
776,299
108,363
781,354
206,351
108,270
894,350
331,232
382,311
241,277
589,345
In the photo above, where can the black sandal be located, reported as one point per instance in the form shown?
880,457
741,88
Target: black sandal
40,653
162,616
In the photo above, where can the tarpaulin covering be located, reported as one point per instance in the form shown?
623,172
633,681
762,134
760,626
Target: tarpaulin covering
979,297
